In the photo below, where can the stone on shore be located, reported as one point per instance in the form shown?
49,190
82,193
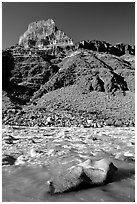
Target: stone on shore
20,160
65,180
100,171
89,172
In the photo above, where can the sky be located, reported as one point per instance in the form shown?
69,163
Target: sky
112,22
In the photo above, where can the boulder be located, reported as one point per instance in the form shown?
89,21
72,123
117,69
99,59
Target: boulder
8,160
65,180
20,160
89,172
100,171
49,121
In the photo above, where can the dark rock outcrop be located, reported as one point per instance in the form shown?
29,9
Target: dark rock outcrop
101,46
7,67
8,160
91,83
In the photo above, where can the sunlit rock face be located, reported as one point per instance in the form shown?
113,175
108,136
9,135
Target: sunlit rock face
43,34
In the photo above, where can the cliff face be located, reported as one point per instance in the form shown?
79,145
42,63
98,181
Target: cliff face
47,59
101,46
47,64
43,34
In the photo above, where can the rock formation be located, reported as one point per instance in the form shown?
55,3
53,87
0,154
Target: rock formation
43,34
7,67
89,172
88,72
101,46
46,59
